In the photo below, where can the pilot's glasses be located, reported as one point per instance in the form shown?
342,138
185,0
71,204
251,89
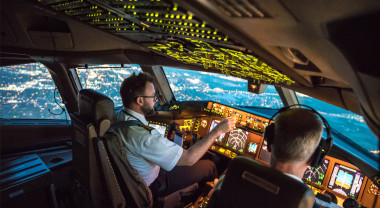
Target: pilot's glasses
155,96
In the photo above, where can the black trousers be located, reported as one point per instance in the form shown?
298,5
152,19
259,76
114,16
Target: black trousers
181,177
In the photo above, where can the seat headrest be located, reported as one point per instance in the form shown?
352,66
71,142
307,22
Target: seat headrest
254,185
95,107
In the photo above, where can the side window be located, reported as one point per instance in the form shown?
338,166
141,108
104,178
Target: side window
106,79
28,92
349,124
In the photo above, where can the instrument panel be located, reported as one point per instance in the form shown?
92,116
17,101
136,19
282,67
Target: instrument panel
246,139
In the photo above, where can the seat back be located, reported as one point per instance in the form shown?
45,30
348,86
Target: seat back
250,184
90,161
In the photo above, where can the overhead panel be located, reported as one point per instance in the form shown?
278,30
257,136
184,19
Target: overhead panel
168,29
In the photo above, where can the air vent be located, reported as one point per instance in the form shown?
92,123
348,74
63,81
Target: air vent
240,8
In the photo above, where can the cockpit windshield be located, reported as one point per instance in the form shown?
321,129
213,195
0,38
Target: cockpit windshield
188,85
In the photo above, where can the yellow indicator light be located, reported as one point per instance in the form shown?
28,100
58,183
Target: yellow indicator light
191,24
203,24
175,7
133,6
197,31
185,23
178,16
197,25
229,62
184,16
219,38
166,15
225,39
209,32
156,15
125,6
191,30
180,23
147,14
151,14
172,16
134,13
190,17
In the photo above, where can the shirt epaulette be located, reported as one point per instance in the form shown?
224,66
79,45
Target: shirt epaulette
148,128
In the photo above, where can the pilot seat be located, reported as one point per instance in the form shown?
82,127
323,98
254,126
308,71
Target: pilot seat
106,177
250,184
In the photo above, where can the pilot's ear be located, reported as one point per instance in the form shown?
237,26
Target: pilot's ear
139,101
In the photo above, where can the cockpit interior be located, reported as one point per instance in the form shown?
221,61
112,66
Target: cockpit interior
210,59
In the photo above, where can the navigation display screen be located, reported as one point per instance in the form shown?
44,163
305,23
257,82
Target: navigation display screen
212,126
316,175
264,153
346,181
237,139
159,128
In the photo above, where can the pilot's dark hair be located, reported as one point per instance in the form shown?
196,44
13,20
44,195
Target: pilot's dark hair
133,86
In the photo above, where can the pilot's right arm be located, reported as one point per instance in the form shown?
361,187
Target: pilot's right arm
194,153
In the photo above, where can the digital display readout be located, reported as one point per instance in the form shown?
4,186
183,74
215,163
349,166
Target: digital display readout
316,175
212,126
237,139
346,181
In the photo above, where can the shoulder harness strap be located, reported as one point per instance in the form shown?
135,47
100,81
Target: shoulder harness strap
123,124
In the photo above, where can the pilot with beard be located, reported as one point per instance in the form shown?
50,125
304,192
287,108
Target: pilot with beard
165,166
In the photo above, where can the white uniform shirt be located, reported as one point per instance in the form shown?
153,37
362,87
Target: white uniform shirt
147,152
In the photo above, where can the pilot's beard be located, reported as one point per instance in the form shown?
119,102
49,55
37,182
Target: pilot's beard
147,110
